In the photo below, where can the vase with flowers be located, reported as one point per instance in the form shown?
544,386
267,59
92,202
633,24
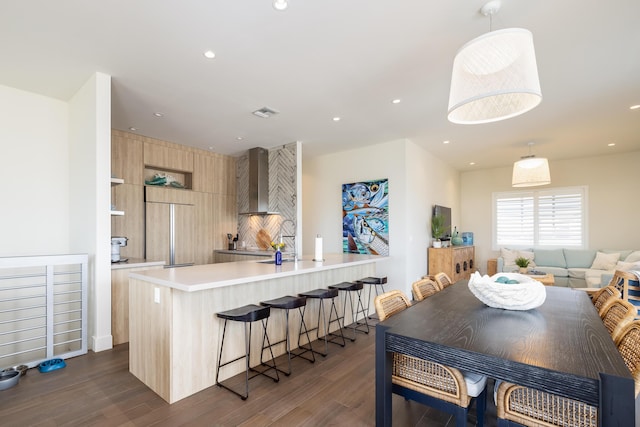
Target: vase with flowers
278,248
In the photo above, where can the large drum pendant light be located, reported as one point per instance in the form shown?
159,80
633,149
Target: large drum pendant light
530,171
495,76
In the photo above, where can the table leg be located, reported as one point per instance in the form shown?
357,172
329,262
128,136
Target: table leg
617,402
384,362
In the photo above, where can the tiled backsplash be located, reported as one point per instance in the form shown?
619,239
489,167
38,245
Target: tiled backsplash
282,196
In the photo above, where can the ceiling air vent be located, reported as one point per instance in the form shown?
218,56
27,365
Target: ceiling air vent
265,112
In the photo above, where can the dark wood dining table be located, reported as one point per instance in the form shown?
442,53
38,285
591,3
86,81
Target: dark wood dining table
561,347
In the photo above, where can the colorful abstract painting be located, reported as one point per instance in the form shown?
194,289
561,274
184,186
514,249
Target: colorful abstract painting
365,217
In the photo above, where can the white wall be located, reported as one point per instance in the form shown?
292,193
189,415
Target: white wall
34,174
55,169
613,200
90,192
417,181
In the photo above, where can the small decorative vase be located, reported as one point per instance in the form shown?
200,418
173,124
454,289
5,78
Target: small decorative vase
437,244
278,257
456,240
523,270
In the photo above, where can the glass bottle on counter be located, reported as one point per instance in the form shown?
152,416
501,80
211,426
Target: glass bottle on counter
278,257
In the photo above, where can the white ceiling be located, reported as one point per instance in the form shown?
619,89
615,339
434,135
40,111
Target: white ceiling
326,58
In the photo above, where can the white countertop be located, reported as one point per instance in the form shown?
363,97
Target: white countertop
209,276
252,252
135,263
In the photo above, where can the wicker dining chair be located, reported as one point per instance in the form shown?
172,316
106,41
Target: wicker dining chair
390,303
627,283
620,280
443,280
430,383
616,314
424,288
534,408
629,347
603,295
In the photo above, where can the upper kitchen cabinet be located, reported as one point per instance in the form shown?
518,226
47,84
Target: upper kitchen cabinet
126,157
161,156
214,173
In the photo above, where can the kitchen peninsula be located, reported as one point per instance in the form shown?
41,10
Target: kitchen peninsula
174,334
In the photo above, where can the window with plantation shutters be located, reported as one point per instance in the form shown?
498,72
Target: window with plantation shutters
551,217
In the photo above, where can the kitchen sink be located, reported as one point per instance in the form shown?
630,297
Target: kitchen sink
273,261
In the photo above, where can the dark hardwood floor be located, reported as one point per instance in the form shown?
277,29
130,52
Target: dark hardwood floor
97,390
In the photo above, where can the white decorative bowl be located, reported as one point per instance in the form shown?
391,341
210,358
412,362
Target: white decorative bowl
525,295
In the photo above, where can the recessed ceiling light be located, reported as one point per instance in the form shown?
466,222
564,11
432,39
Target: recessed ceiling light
336,119
396,101
210,148
472,163
446,142
634,107
280,4
611,144
238,138
209,54
158,114
132,128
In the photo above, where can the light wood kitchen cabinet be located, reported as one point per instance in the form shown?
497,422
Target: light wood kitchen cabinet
204,220
130,199
161,156
219,257
204,173
458,262
225,214
214,173
120,299
229,184
126,157
210,179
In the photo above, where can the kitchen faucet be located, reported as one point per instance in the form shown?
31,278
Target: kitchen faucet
295,252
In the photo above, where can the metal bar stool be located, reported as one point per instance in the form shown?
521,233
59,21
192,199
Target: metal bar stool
321,295
288,303
373,282
349,288
247,314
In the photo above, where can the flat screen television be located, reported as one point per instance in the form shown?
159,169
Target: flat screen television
446,213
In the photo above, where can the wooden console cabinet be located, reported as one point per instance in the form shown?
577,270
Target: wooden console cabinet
458,262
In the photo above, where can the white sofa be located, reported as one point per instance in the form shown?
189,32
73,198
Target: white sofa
575,268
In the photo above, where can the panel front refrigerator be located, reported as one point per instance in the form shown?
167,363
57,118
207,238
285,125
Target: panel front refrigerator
169,233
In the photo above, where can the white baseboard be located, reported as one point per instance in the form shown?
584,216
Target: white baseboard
102,343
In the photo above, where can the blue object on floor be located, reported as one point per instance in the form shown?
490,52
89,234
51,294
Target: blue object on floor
51,365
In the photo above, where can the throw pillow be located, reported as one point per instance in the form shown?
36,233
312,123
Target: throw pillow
605,261
633,257
627,266
509,256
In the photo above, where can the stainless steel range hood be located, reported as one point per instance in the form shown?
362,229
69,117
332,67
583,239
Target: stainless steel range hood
258,183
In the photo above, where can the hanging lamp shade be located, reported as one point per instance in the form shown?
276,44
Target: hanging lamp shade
530,171
495,77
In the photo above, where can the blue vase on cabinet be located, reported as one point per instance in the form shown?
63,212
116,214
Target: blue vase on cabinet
278,257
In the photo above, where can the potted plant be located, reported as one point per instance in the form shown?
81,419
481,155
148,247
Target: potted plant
437,229
523,263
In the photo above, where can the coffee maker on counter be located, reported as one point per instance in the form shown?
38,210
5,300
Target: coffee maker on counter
116,244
